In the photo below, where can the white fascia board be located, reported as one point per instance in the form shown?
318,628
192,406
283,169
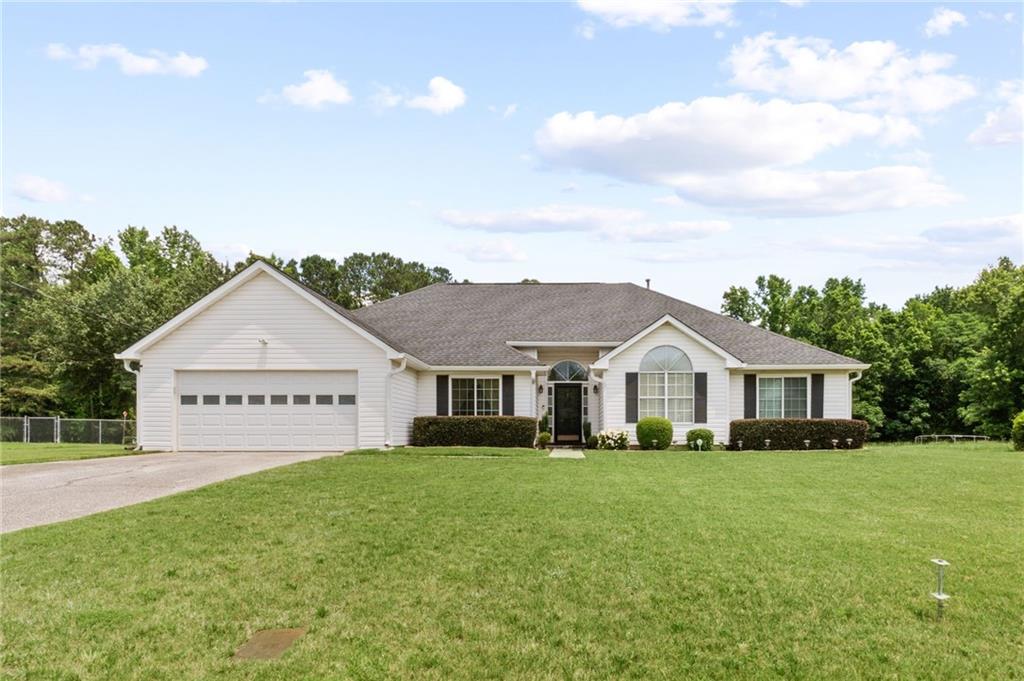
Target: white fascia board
730,361
135,351
562,344
524,369
802,367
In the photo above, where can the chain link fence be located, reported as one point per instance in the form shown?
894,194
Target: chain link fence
55,429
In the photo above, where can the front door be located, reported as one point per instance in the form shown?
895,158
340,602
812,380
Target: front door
568,412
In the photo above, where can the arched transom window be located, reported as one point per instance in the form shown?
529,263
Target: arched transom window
666,385
568,370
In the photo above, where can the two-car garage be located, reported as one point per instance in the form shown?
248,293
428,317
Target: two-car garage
266,410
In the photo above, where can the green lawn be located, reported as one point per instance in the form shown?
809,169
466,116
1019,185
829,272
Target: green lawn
39,452
783,565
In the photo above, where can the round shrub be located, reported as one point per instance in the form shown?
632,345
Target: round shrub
706,437
543,439
592,442
654,432
1017,433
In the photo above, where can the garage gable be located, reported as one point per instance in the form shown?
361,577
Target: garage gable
256,280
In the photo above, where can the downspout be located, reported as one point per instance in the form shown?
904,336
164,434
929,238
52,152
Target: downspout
600,384
860,375
533,397
138,401
387,400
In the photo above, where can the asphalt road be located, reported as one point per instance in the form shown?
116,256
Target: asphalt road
40,493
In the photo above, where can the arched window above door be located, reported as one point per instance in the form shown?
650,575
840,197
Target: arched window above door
568,370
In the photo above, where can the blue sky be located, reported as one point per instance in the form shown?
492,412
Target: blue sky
698,144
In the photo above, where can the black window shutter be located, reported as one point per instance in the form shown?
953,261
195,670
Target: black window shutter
632,390
700,397
750,396
508,395
442,395
817,396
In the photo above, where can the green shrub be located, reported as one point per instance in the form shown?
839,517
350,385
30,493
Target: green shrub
654,432
613,439
797,433
473,431
1017,432
586,430
592,442
706,437
544,426
543,439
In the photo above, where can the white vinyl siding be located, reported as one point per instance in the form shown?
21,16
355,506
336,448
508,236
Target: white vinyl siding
403,406
299,336
426,399
836,404
702,358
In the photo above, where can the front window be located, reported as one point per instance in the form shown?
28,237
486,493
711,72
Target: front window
782,397
666,385
476,396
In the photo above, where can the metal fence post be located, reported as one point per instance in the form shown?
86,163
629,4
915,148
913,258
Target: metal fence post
24,429
99,426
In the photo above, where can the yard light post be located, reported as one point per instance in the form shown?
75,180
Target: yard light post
700,445
939,596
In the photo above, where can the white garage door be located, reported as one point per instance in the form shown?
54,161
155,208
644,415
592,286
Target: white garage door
276,410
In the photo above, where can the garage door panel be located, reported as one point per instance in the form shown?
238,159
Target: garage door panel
299,424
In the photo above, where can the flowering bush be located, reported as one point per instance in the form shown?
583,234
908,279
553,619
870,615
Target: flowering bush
613,439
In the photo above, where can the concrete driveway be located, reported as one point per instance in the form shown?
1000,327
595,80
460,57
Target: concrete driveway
40,493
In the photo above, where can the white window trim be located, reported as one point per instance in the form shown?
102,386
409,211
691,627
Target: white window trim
451,394
666,397
757,392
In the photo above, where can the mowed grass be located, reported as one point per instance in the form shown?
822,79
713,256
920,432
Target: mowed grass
41,452
638,565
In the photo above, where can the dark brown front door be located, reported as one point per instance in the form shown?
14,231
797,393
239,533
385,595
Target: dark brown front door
568,412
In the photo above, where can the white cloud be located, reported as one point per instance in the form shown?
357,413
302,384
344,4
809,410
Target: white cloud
964,243
154,62
668,232
1004,125
781,193
445,97
317,90
794,3
506,112
659,15
553,218
496,250
670,200
570,187
1001,228
739,154
607,223
707,135
587,30
942,22
384,97
40,189
872,75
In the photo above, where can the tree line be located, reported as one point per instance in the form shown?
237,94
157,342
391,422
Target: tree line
948,361
70,301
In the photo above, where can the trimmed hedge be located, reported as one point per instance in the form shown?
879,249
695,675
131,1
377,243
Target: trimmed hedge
791,433
473,431
654,432
1017,432
706,437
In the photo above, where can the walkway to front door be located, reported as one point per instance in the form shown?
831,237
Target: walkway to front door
568,413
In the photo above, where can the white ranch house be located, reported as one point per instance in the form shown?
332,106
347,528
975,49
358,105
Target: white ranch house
264,363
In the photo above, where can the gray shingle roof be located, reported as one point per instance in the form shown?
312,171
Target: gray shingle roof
469,324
